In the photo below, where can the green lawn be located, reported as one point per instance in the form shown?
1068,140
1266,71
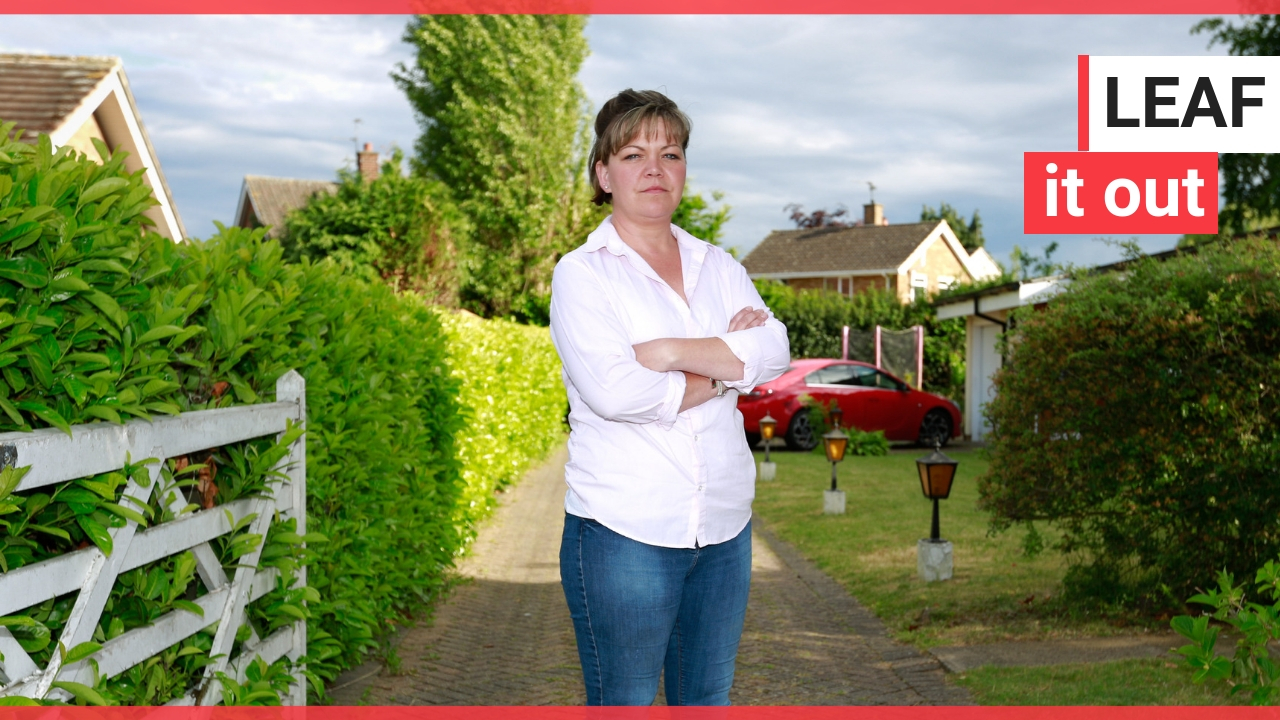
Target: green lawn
1125,682
997,593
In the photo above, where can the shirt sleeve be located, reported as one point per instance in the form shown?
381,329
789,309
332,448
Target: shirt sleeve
598,358
764,351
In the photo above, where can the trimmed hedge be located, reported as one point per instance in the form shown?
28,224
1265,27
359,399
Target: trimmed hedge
1137,412
513,400
414,415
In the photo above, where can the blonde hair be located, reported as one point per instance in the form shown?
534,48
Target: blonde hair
622,119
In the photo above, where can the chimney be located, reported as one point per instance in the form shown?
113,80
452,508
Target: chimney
367,163
873,214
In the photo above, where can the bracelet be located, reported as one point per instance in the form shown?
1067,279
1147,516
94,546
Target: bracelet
719,387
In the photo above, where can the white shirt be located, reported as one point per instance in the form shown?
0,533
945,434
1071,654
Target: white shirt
636,463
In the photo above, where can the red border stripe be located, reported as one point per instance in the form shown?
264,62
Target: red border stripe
734,7
1082,119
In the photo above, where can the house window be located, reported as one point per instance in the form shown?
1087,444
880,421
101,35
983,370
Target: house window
919,284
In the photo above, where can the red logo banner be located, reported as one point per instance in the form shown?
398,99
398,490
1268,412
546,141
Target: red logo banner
1119,193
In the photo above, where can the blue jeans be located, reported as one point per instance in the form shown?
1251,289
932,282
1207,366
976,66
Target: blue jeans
641,609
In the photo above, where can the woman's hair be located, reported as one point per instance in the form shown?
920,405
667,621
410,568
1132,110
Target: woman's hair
621,120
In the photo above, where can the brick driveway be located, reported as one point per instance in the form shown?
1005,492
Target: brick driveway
504,636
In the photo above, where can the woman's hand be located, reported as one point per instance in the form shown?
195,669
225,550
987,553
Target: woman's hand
748,318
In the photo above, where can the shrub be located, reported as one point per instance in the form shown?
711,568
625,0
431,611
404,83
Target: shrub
1253,668
513,400
383,480
103,320
1137,412
406,231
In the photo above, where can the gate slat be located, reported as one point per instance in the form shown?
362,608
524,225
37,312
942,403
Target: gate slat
103,447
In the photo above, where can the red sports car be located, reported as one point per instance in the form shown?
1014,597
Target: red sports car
871,399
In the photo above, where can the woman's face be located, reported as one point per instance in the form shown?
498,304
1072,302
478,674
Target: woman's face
646,176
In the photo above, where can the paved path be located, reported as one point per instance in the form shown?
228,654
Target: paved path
504,636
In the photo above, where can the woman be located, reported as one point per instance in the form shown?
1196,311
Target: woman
658,332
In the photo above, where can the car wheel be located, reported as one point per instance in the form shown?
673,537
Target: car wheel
800,433
935,429
753,440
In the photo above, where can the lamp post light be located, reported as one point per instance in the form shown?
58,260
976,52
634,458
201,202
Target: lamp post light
837,417
768,469
933,555
835,443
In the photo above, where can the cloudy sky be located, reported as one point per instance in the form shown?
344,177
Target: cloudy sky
804,109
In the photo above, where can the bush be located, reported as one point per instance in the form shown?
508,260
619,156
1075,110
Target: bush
103,320
383,480
513,400
1137,412
405,231
814,319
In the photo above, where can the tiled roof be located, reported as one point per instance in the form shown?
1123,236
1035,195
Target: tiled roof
273,198
38,92
845,249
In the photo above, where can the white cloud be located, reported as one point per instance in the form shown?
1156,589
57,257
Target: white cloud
786,108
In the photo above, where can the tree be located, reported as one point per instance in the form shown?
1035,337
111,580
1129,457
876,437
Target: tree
1027,265
406,231
968,233
1251,181
505,128
696,216
818,218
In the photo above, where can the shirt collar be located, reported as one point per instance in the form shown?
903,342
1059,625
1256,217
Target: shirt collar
606,236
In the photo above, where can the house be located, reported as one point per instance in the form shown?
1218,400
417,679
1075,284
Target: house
266,201
986,313
75,100
906,258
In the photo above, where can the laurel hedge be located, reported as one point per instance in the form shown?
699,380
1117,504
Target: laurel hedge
1137,412
414,415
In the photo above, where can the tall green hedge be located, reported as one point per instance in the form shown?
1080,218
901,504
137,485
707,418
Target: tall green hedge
414,415
1138,412
513,400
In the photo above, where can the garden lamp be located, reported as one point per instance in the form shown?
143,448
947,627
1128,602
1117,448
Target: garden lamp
837,417
936,473
835,443
767,426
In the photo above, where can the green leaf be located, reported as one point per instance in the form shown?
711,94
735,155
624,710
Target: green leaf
17,701
18,231
108,306
101,189
96,532
26,271
189,607
56,532
31,634
79,652
83,693
126,513
158,333
46,414
68,283
110,266
102,412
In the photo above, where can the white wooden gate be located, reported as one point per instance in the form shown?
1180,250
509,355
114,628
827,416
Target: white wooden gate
92,449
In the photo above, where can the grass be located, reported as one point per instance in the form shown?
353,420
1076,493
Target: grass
997,592
1124,682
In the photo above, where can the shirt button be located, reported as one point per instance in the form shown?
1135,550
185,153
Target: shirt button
700,487
697,438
